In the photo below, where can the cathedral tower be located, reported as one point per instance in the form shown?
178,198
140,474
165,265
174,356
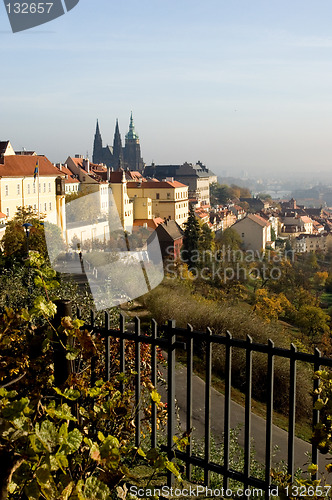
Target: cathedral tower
132,149
97,147
117,148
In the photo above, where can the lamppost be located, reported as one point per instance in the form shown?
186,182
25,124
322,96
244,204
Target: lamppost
27,227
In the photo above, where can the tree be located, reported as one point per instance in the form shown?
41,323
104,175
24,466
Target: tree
313,320
190,239
229,239
219,193
206,238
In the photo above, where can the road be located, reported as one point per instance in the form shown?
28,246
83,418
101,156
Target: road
258,426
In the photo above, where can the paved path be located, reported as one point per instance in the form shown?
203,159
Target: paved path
280,437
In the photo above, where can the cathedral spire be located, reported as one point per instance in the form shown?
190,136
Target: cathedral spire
132,134
97,156
117,148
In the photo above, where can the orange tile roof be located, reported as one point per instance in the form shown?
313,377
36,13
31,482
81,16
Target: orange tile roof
24,166
258,219
153,184
3,216
70,179
151,223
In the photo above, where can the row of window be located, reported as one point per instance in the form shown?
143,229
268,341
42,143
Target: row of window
49,205
182,194
18,188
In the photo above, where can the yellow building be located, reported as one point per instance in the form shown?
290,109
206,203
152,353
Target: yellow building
21,186
118,184
165,199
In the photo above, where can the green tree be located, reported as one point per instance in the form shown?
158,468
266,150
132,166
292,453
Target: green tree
313,320
206,238
190,239
219,193
15,241
229,239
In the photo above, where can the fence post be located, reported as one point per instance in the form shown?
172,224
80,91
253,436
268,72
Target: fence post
207,432
154,328
62,366
227,410
138,382
315,416
190,352
170,395
269,413
292,408
247,411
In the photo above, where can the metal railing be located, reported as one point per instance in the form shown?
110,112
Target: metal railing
170,338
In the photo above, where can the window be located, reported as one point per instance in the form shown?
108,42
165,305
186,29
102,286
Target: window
242,235
157,196
7,212
18,189
39,187
45,206
44,187
6,190
50,206
28,188
34,187
35,207
168,196
49,187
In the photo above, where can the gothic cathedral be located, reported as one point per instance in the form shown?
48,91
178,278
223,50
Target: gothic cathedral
117,156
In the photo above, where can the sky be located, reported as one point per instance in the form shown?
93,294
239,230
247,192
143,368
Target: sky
239,85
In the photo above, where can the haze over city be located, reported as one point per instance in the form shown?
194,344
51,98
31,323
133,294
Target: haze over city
239,85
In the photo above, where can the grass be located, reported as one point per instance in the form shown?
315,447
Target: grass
326,299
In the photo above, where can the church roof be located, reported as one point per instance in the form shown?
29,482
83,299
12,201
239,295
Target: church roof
24,166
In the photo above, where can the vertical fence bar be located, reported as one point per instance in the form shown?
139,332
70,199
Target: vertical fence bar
292,408
227,407
207,431
154,383
269,414
107,348
78,313
315,415
137,382
122,350
189,416
170,395
247,424
92,318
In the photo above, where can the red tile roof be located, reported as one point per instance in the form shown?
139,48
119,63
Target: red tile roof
69,179
24,166
3,216
152,223
153,184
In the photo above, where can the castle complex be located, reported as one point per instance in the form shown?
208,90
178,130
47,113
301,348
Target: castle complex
117,156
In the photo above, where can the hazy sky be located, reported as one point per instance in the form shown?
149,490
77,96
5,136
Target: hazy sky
237,84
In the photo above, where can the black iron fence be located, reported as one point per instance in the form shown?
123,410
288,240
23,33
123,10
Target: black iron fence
170,338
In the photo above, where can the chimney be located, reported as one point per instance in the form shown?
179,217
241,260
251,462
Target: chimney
86,165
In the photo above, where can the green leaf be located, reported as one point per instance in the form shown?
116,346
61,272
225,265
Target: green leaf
172,468
47,434
71,394
32,491
74,440
46,483
62,412
95,489
62,461
15,409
